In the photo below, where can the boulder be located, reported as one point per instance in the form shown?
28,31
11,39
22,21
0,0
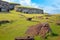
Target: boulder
24,38
29,19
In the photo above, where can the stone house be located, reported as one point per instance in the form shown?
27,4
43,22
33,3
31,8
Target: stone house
4,6
12,5
29,10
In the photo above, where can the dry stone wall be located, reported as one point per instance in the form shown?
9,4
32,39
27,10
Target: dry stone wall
4,6
29,10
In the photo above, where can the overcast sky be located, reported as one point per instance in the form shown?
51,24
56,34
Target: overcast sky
50,6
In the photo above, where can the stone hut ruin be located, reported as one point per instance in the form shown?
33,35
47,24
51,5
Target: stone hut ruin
4,6
12,5
28,10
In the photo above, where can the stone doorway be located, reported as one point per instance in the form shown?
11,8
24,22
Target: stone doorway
0,9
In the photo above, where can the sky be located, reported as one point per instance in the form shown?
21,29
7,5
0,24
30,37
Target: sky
49,6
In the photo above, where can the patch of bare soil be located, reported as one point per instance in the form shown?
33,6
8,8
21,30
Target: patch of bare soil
58,22
39,29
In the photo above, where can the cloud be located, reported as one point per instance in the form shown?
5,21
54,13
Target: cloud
25,3
29,3
50,6
12,1
6,0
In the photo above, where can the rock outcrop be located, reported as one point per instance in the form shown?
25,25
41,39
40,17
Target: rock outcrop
39,29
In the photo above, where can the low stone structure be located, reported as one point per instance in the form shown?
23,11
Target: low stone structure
4,6
29,10
12,5
4,22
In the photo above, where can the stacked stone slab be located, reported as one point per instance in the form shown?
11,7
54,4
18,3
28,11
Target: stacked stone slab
4,6
24,38
29,10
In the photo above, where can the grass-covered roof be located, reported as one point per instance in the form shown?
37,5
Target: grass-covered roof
27,7
13,3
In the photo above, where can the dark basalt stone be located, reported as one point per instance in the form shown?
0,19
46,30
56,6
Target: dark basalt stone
4,21
24,38
29,19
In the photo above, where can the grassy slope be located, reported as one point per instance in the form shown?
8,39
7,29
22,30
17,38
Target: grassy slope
19,25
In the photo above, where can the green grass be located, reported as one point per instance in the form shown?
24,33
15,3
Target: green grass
19,25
